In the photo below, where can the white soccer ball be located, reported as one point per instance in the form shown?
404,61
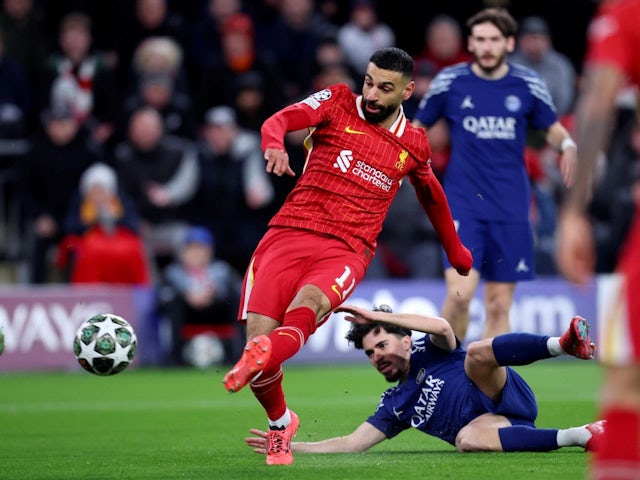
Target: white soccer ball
105,344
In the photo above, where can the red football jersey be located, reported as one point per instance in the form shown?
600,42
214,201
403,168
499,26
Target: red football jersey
353,168
614,37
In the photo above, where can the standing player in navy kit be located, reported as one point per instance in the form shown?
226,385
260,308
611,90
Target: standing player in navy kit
488,105
322,239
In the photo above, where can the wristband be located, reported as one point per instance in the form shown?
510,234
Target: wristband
567,143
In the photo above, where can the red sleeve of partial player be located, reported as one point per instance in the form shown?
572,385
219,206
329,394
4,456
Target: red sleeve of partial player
291,118
435,204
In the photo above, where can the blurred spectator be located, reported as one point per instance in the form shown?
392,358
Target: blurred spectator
220,83
424,73
439,132
24,31
292,37
206,43
535,50
15,102
363,34
161,174
200,290
329,53
81,79
252,105
408,246
50,176
235,192
148,18
156,90
444,43
101,243
158,56
331,75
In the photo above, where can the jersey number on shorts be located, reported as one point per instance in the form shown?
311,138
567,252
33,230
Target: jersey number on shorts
341,281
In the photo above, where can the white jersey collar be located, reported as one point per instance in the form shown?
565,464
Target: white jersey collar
397,128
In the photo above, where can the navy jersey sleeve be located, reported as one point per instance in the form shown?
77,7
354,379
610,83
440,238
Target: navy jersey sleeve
384,418
432,105
543,113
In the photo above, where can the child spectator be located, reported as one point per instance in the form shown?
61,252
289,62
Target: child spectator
102,244
199,289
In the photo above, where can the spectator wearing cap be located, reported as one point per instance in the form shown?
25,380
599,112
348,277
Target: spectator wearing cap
535,50
198,289
49,176
252,103
206,39
235,195
101,242
220,81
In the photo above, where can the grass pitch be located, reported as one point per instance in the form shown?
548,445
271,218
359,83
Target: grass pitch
182,424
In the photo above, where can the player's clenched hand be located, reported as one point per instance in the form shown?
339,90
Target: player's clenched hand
462,260
568,166
278,162
259,442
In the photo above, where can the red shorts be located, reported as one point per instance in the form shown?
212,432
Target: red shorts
287,259
619,322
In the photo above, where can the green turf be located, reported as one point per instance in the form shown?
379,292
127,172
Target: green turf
166,424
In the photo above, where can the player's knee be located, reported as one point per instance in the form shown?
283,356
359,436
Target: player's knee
459,301
312,297
480,352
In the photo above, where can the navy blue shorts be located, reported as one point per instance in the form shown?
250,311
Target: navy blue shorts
518,403
502,252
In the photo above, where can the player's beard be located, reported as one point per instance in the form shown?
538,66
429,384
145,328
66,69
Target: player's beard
489,68
381,115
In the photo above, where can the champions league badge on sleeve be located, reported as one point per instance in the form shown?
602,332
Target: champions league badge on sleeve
314,99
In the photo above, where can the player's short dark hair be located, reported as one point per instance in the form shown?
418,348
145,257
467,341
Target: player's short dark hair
358,332
499,17
394,59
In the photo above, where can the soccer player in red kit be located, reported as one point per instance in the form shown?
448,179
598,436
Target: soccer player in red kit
322,239
612,60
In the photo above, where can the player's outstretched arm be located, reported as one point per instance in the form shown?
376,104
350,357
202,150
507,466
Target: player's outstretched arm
439,330
435,204
362,438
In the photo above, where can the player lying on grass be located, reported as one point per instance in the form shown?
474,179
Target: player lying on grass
471,399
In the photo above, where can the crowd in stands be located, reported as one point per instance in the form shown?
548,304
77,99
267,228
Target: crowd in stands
124,125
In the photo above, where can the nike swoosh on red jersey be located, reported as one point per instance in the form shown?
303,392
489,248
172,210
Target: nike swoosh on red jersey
348,129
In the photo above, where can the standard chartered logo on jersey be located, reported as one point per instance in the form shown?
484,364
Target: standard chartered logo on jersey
375,177
501,128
